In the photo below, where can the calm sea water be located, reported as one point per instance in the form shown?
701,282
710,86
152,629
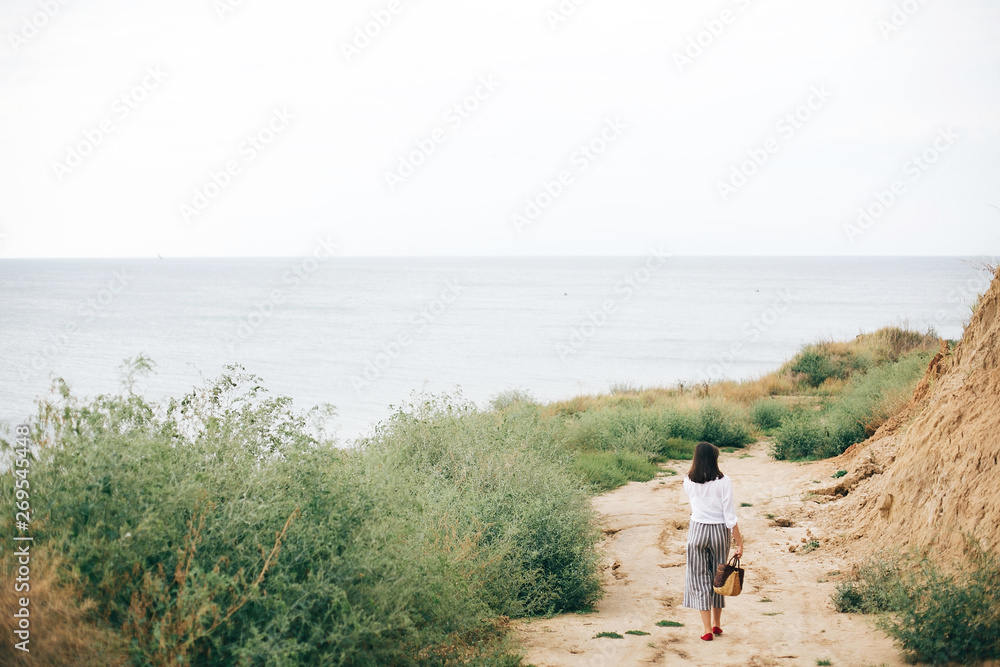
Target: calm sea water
366,333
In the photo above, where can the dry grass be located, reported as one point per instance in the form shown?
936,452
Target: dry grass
63,628
870,349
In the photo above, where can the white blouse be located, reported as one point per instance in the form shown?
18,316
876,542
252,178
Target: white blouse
712,502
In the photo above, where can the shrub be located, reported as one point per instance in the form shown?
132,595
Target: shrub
676,448
815,366
609,470
769,414
946,618
216,529
683,424
613,429
510,398
870,399
724,425
798,438
624,387
875,586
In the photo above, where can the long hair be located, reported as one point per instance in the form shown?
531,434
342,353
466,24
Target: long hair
705,464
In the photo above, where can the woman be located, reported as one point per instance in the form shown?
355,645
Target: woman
713,516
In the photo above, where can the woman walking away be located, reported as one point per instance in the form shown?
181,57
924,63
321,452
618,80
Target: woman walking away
713,516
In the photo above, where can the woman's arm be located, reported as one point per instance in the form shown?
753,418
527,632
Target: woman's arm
739,540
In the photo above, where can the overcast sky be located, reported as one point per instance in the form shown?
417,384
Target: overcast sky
120,120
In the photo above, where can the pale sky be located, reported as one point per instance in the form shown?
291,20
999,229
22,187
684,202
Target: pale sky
909,102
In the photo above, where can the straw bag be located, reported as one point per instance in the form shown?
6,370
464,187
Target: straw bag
729,577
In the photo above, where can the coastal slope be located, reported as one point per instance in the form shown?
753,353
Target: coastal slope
927,478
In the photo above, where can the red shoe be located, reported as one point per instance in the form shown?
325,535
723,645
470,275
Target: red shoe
707,636
716,630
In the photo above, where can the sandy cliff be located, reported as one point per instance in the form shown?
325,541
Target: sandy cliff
931,473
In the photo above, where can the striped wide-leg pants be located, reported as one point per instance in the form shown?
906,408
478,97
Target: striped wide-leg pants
707,546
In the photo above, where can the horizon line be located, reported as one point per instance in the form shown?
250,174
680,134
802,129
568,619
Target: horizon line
533,256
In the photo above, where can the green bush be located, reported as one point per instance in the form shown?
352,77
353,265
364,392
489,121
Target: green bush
768,414
815,366
623,428
677,448
510,398
220,528
867,400
724,425
798,438
935,617
684,424
946,618
609,470
874,587
871,398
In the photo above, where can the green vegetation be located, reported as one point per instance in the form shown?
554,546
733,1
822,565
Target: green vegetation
746,504
873,587
225,527
768,414
869,397
220,528
608,635
949,617
830,396
636,632
823,663
839,474
935,616
609,470
669,624
811,545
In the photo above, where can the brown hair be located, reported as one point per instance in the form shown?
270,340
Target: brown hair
705,463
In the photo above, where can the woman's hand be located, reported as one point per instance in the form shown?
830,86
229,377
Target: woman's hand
739,550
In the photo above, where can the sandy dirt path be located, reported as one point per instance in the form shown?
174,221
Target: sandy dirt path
783,617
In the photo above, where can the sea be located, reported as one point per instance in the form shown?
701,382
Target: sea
370,334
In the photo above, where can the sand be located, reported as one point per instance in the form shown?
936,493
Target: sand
645,528
928,477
